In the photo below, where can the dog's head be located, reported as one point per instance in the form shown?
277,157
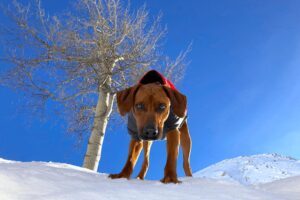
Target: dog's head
150,105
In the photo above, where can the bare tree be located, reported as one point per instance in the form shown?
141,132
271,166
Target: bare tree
81,58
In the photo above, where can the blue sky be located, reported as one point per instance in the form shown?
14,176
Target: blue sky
242,86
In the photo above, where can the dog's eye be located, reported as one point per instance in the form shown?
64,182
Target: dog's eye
161,107
140,106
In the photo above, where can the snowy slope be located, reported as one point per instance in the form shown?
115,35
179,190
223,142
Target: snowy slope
286,187
55,181
253,170
35,180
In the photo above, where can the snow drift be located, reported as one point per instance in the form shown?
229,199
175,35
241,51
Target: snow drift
47,181
253,170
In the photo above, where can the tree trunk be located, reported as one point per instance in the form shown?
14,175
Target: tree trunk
103,111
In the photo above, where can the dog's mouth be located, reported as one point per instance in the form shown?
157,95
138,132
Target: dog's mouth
147,138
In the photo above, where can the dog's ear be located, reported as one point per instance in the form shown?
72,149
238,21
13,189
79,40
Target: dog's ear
178,101
125,99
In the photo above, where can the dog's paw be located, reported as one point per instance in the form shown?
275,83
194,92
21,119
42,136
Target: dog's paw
140,178
170,179
116,176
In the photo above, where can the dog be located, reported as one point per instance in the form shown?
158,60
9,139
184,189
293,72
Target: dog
156,110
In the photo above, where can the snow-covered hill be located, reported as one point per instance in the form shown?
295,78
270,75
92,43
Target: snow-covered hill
56,181
253,170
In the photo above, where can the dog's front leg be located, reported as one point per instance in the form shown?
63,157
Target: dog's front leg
173,140
135,148
145,166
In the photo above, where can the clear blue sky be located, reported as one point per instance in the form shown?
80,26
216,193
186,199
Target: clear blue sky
243,88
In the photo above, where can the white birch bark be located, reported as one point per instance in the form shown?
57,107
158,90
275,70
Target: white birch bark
103,111
94,148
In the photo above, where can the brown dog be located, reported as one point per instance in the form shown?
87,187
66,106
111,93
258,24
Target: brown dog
150,106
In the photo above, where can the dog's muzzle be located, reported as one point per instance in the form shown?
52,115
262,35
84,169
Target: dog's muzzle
150,132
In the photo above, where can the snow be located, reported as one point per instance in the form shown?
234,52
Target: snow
289,187
253,170
57,181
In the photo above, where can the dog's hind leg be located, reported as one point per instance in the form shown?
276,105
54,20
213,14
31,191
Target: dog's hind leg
135,148
144,169
186,145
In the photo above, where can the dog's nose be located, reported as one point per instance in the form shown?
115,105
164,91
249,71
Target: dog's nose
151,132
